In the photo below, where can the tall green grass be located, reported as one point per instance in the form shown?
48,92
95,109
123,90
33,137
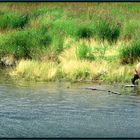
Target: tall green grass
85,32
13,20
107,30
92,31
130,30
24,44
84,52
130,53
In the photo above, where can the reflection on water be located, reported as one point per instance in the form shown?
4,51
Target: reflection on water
68,110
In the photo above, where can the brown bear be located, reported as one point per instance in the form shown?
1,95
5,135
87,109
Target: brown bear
136,74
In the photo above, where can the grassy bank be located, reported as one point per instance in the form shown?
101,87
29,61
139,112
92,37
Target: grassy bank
71,41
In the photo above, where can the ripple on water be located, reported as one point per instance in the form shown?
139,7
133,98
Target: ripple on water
53,110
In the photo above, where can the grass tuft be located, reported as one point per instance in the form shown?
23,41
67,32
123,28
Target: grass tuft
84,32
108,30
130,53
13,20
84,52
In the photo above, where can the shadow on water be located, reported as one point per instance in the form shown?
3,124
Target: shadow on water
64,109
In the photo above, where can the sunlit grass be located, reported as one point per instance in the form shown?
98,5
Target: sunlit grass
71,41
119,73
83,70
73,70
34,70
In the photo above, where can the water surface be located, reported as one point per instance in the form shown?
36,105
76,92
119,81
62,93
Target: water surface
68,110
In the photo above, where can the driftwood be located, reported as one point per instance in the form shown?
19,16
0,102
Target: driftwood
93,88
117,93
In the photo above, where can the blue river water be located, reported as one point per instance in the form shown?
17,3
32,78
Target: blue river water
65,110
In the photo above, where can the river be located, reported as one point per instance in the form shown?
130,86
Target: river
62,109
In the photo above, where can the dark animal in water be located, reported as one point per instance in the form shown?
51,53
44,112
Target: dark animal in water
136,74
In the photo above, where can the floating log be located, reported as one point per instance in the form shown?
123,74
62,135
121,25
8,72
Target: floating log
93,88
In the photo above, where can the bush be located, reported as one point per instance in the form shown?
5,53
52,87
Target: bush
84,32
131,53
13,20
108,31
20,22
84,52
19,43
24,44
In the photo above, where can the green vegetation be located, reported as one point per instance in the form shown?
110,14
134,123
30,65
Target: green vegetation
106,30
82,41
130,53
85,32
12,20
84,52
24,43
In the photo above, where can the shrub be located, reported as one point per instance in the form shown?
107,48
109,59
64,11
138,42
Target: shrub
84,32
20,21
131,53
24,44
107,31
13,20
19,43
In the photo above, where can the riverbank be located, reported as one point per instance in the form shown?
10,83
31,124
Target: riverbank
105,68
71,42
